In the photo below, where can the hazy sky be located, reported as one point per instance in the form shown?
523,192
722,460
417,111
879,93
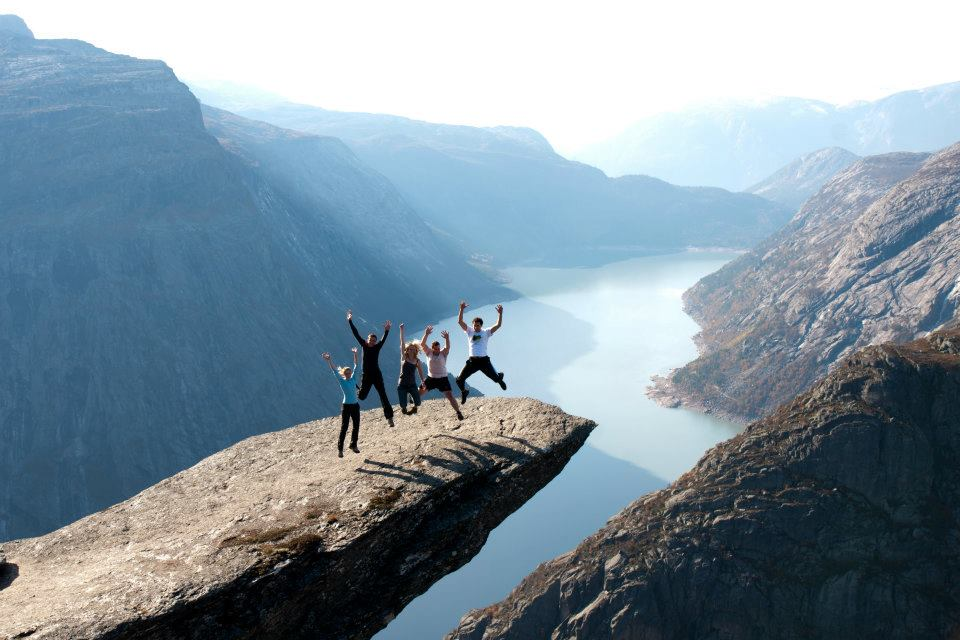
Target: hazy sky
577,71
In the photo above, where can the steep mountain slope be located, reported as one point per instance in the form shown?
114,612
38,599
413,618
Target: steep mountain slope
875,256
835,517
504,193
734,145
161,297
795,183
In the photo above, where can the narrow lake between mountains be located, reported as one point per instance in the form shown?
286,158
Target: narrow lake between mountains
587,340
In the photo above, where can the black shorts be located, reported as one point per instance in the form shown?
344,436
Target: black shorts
440,384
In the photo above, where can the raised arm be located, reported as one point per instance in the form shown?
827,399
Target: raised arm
496,326
326,356
386,332
463,325
355,361
356,334
423,340
446,339
403,344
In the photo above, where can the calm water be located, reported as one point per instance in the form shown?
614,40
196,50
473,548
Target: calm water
587,340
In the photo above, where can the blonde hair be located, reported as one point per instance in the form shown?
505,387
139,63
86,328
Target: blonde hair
412,343
343,371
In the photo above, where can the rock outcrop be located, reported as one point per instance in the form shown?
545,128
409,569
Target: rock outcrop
165,295
873,257
836,517
795,183
276,537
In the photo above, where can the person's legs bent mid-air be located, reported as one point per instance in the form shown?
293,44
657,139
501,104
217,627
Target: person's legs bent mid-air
350,410
372,376
478,338
437,368
409,367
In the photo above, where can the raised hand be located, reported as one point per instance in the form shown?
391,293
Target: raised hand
401,326
326,356
429,329
354,349
445,333
500,308
349,314
387,325
463,305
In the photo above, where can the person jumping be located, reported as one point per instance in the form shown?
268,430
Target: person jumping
409,367
478,338
350,410
437,368
372,376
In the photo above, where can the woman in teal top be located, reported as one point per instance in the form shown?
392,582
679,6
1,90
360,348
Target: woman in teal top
349,381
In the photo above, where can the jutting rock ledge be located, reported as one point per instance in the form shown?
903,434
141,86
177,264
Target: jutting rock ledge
275,537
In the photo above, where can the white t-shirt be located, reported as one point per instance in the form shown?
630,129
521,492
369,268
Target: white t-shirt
478,342
436,364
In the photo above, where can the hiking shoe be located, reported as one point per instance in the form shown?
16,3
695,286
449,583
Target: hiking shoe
463,395
404,411
459,416
339,453
390,421
503,385
354,448
413,411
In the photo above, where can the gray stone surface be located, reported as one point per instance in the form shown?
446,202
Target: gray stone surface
835,517
275,537
873,257
163,295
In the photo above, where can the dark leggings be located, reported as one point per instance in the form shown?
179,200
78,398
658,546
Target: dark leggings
405,390
474,364
375,380
349,412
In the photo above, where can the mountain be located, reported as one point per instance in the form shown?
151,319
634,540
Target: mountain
505,196
835,517
734,145
276,537
873,257
163,295
795,183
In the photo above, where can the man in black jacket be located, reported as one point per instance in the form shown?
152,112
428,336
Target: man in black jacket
372,377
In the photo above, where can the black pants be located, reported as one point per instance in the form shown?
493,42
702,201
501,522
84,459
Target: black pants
474,364
375,380
349,412
405,390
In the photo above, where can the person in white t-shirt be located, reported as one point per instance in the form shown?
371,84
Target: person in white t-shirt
437,368
478,337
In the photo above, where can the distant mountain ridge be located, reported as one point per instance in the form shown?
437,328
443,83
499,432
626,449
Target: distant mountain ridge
873,257
503,193
795,183
735,145
163,294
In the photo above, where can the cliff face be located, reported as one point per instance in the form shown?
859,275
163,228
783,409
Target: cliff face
873,257
276,537
796,182
836,517
535,206
162,297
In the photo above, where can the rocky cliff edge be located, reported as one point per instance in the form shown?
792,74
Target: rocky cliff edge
275,537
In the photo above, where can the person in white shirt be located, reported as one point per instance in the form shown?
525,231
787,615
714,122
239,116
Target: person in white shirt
437,368
478,337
